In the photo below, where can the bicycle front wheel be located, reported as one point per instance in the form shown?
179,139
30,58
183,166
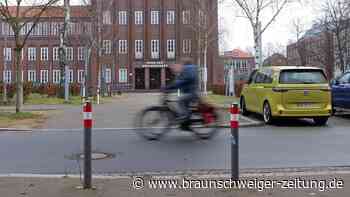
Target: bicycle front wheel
154,122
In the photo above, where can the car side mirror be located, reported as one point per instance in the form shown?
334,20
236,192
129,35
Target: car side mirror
335,82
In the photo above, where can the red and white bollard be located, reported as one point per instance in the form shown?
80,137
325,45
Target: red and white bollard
234,114
87,115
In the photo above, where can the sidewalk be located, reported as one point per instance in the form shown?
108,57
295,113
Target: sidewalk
118,113
123,186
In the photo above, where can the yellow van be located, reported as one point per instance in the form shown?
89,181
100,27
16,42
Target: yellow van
288,91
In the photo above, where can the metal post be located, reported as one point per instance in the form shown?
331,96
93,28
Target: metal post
87,112
234,141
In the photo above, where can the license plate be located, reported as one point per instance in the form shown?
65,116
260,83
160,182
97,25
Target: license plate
304,105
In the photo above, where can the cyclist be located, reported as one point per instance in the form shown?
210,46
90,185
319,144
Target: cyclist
187,82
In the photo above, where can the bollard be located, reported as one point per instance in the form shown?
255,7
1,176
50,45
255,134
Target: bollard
234,111
87,113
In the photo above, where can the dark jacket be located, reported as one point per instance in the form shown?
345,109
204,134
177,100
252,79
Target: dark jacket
186,81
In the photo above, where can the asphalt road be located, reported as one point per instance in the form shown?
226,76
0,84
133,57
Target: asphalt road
288,144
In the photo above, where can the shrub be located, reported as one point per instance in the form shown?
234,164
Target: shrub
75,89
27,89
218,89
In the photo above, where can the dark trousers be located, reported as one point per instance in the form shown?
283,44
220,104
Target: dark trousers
184,105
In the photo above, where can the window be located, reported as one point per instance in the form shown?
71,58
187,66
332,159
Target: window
56,76
106,18
81,53
7,76
345,79
55,55
138,17
259,78
171,49
44,76
45,28
187,46
123,75
45,54
32,75
155,49
69,53
170,17
302,76
55,29
7,54
123,46
138,49
70,76
107,47
81,76
186,17
123,17
31,54
154,17
108,75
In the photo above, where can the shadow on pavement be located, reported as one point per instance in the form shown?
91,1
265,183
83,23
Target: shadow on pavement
287,122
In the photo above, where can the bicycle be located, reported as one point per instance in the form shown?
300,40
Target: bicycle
155,121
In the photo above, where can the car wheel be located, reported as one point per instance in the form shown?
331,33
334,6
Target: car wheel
321,121
244,110
267,114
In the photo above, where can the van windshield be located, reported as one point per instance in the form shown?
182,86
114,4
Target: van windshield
302,76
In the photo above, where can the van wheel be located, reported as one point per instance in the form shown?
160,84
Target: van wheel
244,110
321,121
267,114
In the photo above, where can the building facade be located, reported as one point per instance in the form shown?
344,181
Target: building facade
137,41
276,59
242,63
315,48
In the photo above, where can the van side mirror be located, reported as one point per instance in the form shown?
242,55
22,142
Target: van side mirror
335,82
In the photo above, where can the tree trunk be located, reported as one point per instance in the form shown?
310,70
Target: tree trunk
257,45
19,82
199,62
205,69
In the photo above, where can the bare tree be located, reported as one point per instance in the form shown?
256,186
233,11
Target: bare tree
300,44
205,29
253,11
337,20
18,17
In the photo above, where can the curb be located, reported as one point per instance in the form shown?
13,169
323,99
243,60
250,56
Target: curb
244,173
14,130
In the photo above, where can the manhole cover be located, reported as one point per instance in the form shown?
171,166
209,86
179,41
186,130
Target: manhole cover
94,156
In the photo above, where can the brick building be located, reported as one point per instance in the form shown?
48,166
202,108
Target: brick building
315,48
276,59
242,62
138,39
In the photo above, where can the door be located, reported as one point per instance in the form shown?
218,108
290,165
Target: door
249,91
169,76
257,92
155,78
140,78
341,92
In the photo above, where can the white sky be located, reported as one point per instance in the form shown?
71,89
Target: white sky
239,32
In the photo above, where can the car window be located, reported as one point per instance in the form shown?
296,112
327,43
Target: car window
268,76
344,79
252,77
260,77
302,76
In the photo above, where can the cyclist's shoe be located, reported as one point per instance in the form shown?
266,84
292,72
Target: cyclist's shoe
185,126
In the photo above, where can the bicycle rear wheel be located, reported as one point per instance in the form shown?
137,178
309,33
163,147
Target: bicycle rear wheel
205,126
154,122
